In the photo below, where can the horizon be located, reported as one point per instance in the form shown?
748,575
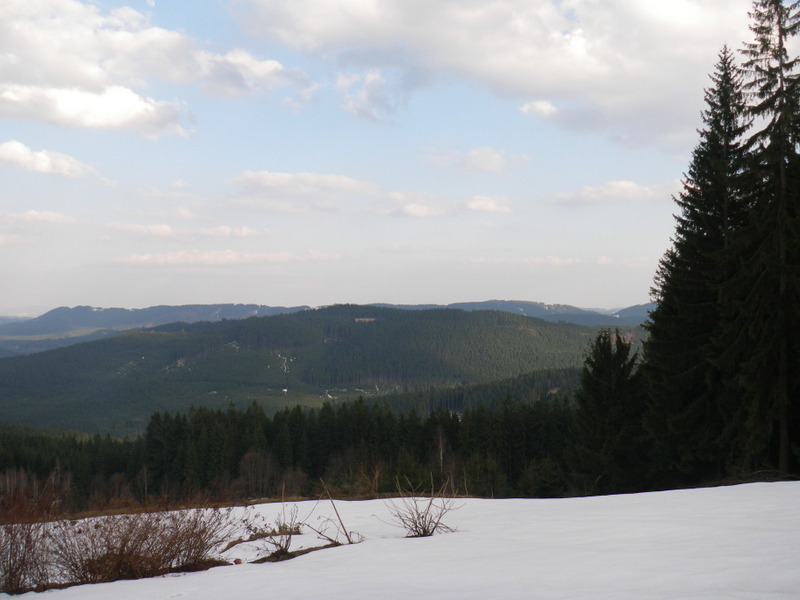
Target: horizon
38,312
286,153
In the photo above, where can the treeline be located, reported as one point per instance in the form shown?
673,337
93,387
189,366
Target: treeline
545,384
358,449
722,360
717,392
339,352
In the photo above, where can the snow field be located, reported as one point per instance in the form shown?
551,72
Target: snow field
738,542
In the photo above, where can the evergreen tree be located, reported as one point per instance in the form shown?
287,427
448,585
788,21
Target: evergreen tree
761,329
684,418
610,412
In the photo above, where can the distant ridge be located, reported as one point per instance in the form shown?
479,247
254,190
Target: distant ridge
65,326
308,357
633,315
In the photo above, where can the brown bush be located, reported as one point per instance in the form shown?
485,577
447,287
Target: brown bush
23,557
25,506
419,515
134,546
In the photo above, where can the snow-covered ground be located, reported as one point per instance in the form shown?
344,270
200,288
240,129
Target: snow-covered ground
723,543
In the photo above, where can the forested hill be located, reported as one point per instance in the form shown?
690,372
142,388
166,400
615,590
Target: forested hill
114,385
65,326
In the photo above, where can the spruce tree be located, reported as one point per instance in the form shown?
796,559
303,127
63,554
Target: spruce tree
759,338
684,419
609,417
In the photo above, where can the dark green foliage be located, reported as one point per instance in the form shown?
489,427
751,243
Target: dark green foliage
685,419
304,358
610,409
723,355
357,448
758,339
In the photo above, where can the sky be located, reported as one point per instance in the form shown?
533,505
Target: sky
312,152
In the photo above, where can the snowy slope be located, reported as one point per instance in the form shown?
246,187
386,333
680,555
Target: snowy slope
740,542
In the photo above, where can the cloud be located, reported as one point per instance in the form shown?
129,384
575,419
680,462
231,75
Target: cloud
417,205
225,231
153,230
605,65
483,160
614,192
114,107
239,72
419,211
42,217
542,108
221,258
369,95
490,204
69,63
43,161
552,261
298,191
488,160
8,239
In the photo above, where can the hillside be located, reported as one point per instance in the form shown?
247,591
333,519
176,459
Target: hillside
555,313
113,385
65,326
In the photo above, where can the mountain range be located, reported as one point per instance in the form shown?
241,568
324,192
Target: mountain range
65,326
305,357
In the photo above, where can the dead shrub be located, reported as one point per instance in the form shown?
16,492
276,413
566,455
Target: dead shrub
25,506
134,546
330,530
276,537
23,557
421,514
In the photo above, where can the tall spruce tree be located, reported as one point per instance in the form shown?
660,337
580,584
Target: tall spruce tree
684,419
760,333
609,445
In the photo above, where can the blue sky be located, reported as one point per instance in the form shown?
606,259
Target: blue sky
320,151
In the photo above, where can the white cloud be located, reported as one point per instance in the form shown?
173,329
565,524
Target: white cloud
490,160
417,205
607,64
42,217
220,258
69,63
43,161
8,239
490,204
419,211
614,192
225,231
542,108
552,261
484,160
293,192
159,230
369,95
238,72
